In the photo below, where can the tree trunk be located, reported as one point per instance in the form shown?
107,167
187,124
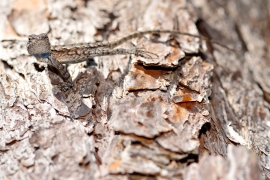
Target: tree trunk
197,111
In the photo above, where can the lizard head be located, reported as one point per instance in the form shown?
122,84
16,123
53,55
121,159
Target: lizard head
38,45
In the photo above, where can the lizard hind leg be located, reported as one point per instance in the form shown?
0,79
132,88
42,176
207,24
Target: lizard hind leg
140,51
145,54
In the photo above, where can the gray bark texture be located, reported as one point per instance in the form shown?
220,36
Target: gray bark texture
197,112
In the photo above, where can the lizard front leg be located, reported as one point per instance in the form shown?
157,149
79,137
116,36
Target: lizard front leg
39,46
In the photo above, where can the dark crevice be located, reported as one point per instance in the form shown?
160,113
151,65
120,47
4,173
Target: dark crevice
7,66
22,75
133,134
136,91
85,3
197,54
107,30
85,162
203,30
90,62
161,68
139,176
206,127
191,158
90,133
243,43
73,9
55,157
99,161
266,95
11,143
211,34
38,67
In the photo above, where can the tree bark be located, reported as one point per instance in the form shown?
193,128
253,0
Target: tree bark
198,111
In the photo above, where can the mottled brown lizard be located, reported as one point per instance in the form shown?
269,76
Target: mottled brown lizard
56,56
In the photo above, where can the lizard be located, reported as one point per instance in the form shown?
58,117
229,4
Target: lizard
39,46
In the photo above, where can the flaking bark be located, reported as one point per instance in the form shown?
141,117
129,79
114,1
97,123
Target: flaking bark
198,111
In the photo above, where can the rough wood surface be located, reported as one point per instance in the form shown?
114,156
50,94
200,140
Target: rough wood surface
198,111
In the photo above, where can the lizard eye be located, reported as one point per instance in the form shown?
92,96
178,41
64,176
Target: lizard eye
30,37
